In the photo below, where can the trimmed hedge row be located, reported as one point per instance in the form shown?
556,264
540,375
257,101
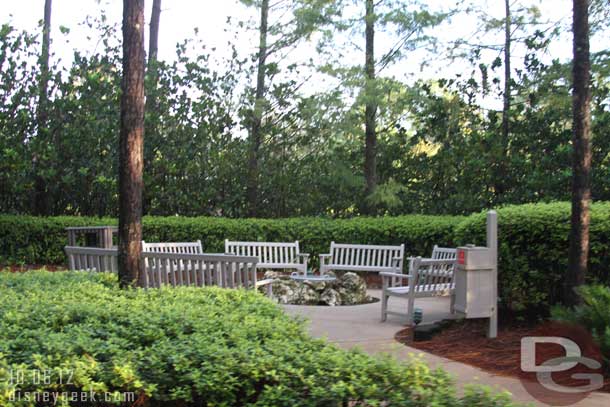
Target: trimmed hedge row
533,241
188,346
533,249
32,240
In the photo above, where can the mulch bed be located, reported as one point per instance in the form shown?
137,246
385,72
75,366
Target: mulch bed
27,267
466,342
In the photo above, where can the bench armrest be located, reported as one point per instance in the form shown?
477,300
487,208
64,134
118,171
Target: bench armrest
261,283
267,282
324,258
301,258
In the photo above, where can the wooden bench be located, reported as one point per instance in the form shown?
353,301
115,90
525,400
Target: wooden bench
426,278
271,255
175,269
369,258
220,270
92,259
173,247
443,253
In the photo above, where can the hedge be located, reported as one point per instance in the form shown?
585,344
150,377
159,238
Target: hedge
533,241
32,240
189,346
533,248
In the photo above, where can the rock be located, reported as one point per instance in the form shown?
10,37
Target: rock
316,285
269,274
306,295
330,297
352,282
330,274
284,291
348,289
352,289
351,298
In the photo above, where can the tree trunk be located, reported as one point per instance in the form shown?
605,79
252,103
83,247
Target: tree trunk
153,41
131,144
257,116
581,162
500,187
370,149
41,201
152,106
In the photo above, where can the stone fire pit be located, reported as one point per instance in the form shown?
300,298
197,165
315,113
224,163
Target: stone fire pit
348,289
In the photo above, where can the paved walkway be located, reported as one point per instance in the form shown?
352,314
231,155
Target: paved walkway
360,326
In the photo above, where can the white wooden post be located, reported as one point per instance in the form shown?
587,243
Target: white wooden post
492,245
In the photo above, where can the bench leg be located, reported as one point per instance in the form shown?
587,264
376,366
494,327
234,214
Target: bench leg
384,298
410,310
452,304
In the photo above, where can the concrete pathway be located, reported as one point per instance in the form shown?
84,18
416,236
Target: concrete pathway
360,326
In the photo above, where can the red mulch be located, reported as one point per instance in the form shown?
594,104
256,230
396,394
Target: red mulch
466,342
25,267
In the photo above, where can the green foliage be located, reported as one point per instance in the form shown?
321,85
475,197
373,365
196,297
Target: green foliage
17,99
192,346
533,247
439,149
31,240
40,240
593,314
532,254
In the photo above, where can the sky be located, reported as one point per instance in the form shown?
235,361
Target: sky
179,18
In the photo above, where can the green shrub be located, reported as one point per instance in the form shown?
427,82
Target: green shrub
533,241
192,346
593,314
533,252
32,240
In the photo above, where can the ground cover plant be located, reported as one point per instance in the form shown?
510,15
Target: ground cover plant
191,346
593,314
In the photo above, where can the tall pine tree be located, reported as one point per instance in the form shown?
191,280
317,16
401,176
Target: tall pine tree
131,155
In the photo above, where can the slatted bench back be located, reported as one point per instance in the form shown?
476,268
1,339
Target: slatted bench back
444,253
364,256
173,247
269,254
432,277
173,269
92,258
199,270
